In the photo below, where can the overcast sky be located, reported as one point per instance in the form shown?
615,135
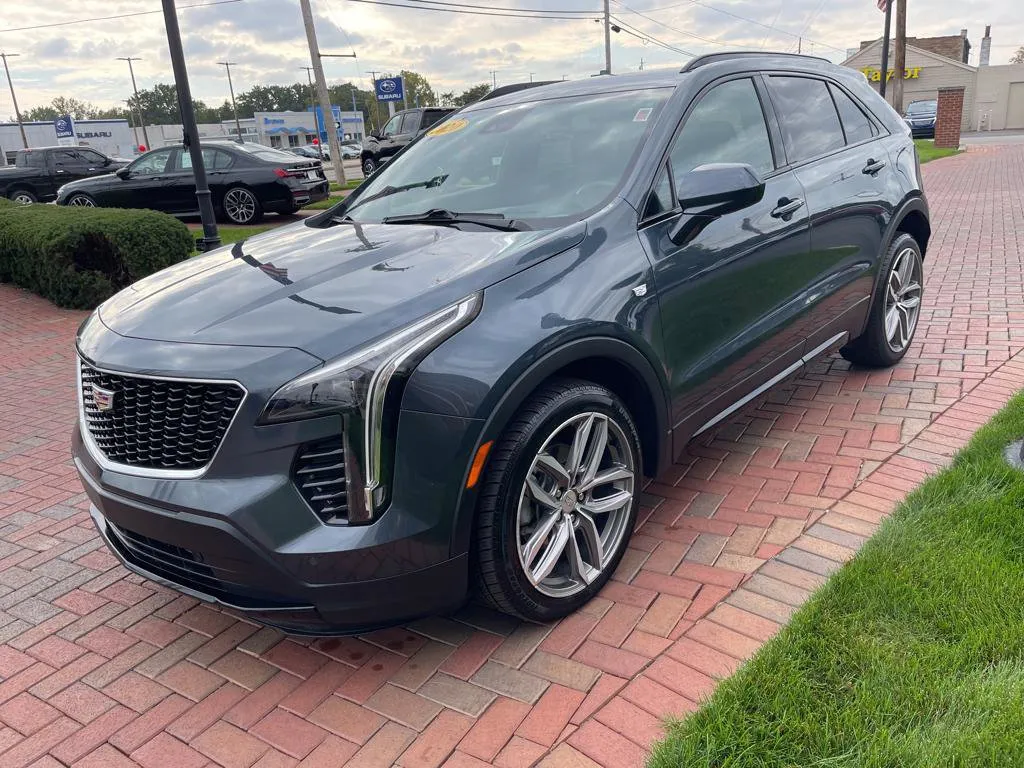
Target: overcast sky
455,51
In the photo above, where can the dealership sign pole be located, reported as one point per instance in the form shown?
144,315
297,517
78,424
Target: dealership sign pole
210,238
65,128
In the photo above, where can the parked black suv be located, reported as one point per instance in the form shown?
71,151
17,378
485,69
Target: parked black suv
396,133
921,116
38,173
457,379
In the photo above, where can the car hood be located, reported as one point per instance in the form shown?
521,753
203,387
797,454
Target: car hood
90,182
325,291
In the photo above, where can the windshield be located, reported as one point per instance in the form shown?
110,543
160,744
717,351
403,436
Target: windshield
266,153
539,162
918,107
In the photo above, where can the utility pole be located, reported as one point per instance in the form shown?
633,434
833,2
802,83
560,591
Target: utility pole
135,89
321,88
531,76
494,78
17,114
900,64
131,120
210,239
312,105
800,45
886,42
376,109
607,37
231,89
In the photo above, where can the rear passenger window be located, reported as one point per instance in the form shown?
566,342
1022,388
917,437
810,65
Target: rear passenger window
726,126
855,123
809,121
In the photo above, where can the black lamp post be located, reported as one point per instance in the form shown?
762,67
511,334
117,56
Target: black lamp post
210,239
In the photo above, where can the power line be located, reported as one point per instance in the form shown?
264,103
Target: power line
118,16
503,8
635,32
473,13
669,27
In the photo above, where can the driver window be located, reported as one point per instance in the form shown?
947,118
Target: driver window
151,164
727,126
392,127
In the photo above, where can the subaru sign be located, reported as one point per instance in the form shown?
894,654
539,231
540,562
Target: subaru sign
65,128
390,89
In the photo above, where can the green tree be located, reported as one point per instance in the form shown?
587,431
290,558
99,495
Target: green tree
1018,57
62,105
272,98
470,95
157,105
418,92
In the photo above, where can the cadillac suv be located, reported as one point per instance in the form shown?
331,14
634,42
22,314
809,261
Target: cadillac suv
454,381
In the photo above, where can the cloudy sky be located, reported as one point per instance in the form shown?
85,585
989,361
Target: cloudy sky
266,39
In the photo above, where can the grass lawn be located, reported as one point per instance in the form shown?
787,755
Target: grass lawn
927,152
321,205
351,184
912,655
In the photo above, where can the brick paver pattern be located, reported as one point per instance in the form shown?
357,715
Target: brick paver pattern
101,668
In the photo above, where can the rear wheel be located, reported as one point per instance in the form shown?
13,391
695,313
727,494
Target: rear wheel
81,200
22,196
559,501
241,206
370,165
895,310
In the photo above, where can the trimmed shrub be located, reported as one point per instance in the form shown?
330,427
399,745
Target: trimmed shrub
78,257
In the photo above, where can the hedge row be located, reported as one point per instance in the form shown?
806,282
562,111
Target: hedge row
78,257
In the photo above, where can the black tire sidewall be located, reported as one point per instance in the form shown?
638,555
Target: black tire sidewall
18,192
524,597
369,165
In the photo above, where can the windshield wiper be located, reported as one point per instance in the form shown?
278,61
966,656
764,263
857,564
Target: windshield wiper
443,217
437,181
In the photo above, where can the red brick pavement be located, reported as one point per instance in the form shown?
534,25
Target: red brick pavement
101,668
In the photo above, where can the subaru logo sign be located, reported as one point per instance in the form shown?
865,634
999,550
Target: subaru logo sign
65,127
390,89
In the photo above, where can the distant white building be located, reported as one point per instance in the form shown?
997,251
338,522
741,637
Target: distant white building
111,137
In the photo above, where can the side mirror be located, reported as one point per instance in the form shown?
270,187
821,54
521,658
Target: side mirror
123,173
107,161
714,190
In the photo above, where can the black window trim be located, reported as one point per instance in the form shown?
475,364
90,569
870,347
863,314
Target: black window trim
774,140
882,131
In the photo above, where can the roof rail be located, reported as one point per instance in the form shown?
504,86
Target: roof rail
711,58
505,90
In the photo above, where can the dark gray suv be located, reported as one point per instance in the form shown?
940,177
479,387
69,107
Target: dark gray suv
455,381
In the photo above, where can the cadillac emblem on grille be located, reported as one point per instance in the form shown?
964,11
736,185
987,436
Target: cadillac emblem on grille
103,398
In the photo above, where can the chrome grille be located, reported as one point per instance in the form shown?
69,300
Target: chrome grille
158,424
320,477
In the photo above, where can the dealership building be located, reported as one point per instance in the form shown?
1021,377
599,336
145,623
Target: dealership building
111,137
993,95
272,129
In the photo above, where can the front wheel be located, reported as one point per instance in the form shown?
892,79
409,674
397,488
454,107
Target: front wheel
81,201
895,310
369,166
559,501
241,206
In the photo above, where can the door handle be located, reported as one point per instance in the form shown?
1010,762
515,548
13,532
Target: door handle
873,167
786,208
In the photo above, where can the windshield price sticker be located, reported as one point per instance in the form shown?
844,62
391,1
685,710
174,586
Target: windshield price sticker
452,126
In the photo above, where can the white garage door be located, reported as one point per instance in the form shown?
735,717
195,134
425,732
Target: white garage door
1015,107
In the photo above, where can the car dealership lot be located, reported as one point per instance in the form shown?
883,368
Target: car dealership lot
98,664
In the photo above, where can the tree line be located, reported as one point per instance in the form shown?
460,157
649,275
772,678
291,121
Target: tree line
159,105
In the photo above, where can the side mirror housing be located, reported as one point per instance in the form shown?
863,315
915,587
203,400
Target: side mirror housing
122,173
718,189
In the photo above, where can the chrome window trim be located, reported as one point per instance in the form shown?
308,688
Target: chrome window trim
126,469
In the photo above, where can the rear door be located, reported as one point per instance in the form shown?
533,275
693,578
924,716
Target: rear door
838,155
68,165
182,183
96,164
728,294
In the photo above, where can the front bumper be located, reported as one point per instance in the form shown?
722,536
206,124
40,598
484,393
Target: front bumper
922,131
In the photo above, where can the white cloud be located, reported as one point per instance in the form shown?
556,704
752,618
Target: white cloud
454,51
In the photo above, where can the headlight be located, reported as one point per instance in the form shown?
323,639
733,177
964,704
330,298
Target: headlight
358,386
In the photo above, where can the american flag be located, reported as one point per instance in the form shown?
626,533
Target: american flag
883,5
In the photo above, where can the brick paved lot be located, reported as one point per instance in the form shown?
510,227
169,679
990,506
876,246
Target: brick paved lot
102,669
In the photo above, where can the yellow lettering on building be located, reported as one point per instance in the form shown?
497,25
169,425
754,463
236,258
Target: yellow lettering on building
874,75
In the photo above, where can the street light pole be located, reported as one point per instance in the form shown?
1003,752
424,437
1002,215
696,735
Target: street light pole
324,96
231,90
312,105
210,239
135,89
17,114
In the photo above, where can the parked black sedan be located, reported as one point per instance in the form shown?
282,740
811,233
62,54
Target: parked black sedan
246,180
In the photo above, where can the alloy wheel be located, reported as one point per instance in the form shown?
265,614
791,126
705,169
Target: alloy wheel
240,206
575,505
23,198
82,201
903,300
369,166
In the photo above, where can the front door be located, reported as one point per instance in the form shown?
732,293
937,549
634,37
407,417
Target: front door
841,160
145,185
729,293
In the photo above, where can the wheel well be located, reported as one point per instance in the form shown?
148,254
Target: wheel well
916,225
631,389
20,187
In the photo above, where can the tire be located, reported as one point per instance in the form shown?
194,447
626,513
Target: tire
22,196
509,511
370,165
241,206
899,295
81,200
